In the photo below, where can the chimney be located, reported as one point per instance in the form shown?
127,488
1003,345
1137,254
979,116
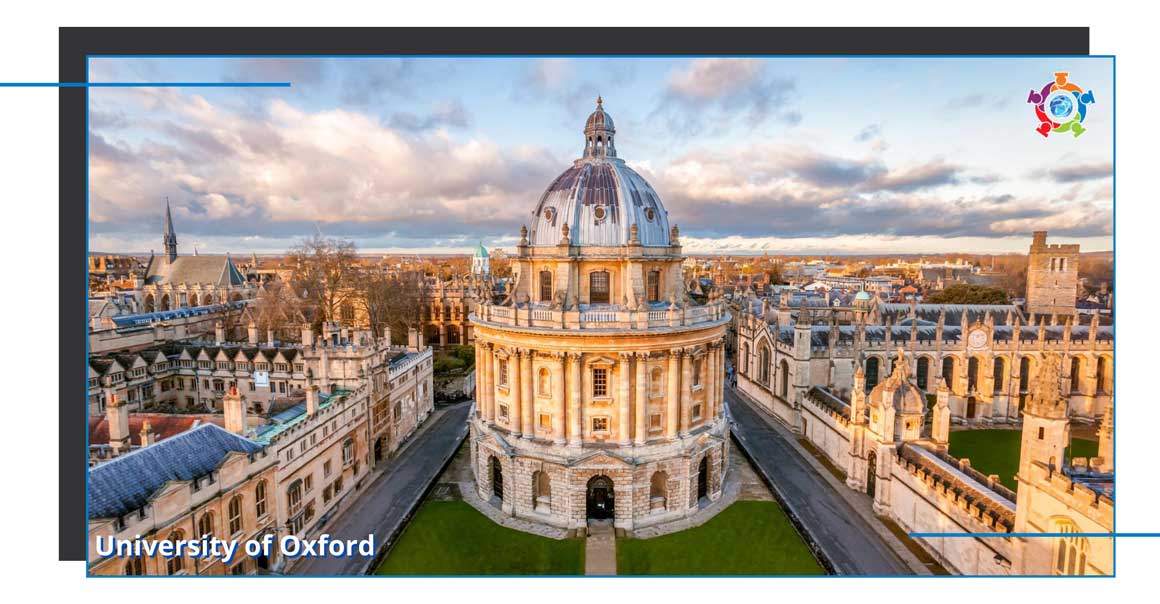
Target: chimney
118,416
311,394
234,407
219,333
307,335
148,436
270,337
252,333
413,343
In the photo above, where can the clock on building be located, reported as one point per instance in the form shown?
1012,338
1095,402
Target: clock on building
977,339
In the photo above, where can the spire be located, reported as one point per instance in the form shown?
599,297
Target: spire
169,237
1047,399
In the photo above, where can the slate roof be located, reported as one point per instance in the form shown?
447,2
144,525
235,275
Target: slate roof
954,312
164,425
128,482
217,270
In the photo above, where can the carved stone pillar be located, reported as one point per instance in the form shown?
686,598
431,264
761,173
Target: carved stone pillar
641,402
558,414
516,392
686,391
624,381
528,409
673,402
575,406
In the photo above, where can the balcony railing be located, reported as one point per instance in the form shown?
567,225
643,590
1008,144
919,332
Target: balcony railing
613,318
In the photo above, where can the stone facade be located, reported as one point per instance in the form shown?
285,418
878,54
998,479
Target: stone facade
1052,276
599,377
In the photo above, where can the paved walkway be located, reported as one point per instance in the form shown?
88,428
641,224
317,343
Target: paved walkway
853,545
385,505
600,549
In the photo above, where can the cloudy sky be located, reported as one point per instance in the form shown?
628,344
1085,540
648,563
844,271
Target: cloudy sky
801,155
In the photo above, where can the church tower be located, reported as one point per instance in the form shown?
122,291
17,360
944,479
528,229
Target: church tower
169,238
1045,424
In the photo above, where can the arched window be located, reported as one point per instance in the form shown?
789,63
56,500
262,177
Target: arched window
1103,376
205,525
654,286
346,312
175,564
871,373
998,374
1024,374
134,567
235,514
764,375
745,359
1076,368
1070,551
165,303
656,383
545,286
193,299
150,304
658,492
783,378
948,371
541,492
260,499
599,288
922,372
972,374
544,382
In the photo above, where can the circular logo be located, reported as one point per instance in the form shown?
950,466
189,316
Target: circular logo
1060,106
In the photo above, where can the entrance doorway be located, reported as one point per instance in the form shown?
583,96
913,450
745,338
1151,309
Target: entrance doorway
971,408
496,479
703,478
378,450
871,473
601,499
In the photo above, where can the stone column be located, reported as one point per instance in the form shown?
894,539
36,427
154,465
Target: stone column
711,381
442,334
673,406
641,401
624,381
686,391
489,385
528,409
575,415
558,414
479,381
515,392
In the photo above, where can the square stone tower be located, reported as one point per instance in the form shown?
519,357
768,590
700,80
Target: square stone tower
1052,276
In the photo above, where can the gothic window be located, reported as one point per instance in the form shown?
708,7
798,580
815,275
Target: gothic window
654,286
1070,551
871,373
997,375
347,312
763,377
544,383
205,525
922,372
235,514
260,499
599,288
545,286
599,382
972,374
134,567
1024,373
294,498
948,371
745,359
783,389
1102,376
175,564
1076,367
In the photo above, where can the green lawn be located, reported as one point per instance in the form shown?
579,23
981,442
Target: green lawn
997,451
747,538
452,538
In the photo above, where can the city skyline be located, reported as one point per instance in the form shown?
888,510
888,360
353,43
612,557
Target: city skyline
749,155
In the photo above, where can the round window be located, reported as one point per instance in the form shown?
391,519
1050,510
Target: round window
649,214
548,213
599,213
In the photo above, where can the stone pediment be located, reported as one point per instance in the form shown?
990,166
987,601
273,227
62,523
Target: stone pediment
496,439
601,458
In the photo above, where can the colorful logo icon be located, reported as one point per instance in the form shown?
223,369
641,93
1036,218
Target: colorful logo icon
1061,106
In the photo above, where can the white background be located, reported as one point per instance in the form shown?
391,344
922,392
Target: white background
29,241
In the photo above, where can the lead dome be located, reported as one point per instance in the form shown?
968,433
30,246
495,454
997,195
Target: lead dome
599,198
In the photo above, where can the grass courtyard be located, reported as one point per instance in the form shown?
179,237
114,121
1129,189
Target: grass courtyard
747,538
452,538
997,451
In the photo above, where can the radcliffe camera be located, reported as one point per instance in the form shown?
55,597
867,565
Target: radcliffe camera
671,314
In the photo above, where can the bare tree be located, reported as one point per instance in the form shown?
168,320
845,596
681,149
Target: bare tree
323,273
278,308
394,301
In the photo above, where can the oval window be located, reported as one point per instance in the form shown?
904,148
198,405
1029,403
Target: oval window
599,213
548,213
649,214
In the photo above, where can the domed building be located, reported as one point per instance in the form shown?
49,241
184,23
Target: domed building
600,379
